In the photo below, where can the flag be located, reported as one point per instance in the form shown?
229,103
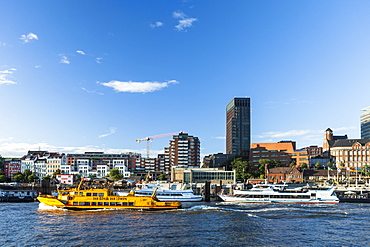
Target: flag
329,168
338,169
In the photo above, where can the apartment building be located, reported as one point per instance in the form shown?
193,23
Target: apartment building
184,150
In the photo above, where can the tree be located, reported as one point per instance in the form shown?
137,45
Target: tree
241,168
330,165
26,173
3,178
32,177
18,177
269,163
115,174
48,177
303,165
161,177
57,171
318,165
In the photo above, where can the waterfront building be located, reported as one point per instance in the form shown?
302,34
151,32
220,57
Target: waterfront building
202,175
284,174
238,127
12,166
184,151
99,163
314,151
365,123
219,160
279,151
349,154
42,163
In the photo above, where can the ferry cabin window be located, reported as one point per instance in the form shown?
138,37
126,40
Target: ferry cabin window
124,203
88,194
118,204
106,203
131,203
95,194
100,203
100,194
75,203
81,193
112,204
93,203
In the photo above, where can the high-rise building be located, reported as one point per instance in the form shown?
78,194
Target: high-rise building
365,123
238,127
184,150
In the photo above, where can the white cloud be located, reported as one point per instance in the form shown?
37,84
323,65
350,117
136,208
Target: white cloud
220,137
13,150
2,44
184,21
27,38
137,87
98,59
64,59
111,132
157,24
91,91
81,52
5,76
37,66
290,133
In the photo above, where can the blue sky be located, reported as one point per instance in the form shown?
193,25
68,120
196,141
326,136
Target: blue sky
80,76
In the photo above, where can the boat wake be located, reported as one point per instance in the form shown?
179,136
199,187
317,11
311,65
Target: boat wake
218,208
43,206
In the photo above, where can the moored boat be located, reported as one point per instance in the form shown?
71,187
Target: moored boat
269,195
88,198
180,195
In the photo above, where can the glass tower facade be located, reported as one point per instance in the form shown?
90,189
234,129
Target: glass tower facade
365,123
238,126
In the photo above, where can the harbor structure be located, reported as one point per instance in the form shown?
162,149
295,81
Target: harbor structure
202,175
365,123
238,126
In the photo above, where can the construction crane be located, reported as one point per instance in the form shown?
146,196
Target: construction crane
148,139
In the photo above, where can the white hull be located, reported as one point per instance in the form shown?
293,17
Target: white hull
169,195
272,196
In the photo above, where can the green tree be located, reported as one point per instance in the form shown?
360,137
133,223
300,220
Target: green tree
32,177
304,165
162,177
341,164
269,163
330,164
241,168
57,171
3,178
48,177
18,177
115,175
292,164
318,165
26,173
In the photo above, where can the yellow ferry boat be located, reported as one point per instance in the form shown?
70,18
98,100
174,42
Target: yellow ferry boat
87,198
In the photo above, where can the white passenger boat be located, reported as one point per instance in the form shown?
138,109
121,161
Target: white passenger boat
269,195
180,195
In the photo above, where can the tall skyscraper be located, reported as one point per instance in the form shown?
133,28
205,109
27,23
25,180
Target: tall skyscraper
238,126
365,123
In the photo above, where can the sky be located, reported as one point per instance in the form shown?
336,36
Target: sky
88,75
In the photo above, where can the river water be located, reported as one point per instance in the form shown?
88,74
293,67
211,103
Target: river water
198,224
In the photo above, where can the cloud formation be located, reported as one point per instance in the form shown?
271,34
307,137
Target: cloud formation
81,52
91,91
157,24
184,21
112,131
5,76
64,59
137,87
27,38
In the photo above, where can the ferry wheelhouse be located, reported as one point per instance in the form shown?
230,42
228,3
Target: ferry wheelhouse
89,198
270,195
